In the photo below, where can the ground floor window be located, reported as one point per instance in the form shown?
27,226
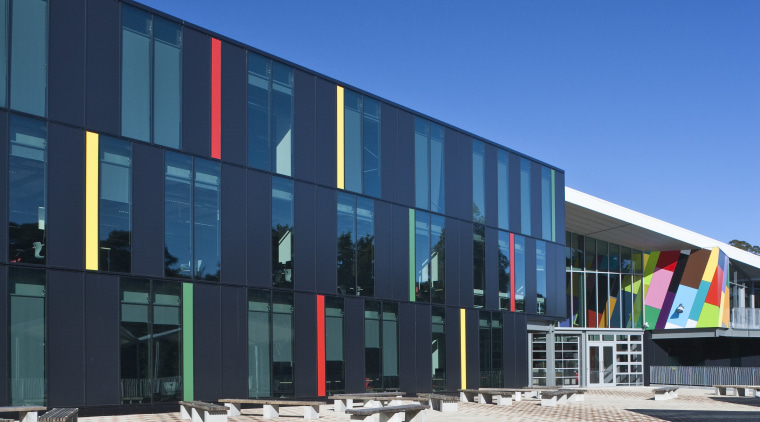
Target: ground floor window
270,344
380,346
151,339
27,336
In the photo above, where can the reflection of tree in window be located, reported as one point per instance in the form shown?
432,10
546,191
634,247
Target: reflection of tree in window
27,216
505,286
356,245
115,205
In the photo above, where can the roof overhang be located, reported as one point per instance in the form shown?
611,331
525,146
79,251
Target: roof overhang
591,216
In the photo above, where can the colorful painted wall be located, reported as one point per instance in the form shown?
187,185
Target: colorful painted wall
694,279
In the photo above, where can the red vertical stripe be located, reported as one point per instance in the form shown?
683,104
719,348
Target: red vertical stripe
512,272
321,346
216,98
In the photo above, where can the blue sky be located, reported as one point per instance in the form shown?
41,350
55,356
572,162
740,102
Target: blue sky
653,105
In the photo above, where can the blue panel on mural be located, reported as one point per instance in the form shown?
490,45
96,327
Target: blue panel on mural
684,296
699,300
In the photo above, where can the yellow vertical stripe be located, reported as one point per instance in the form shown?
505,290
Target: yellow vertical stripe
341,139
91,201
463,346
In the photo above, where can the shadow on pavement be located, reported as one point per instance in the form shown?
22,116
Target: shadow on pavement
699,415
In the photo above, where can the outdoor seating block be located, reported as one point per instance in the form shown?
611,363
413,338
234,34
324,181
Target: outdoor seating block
412,412
666,393
553,398
200,411
60,415
441,402
25,413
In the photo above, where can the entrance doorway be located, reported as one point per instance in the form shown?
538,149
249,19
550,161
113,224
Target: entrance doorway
601,364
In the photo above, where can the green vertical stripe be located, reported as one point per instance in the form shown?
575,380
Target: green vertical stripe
187,342
554,210
412,290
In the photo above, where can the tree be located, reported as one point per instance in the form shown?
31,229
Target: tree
745,246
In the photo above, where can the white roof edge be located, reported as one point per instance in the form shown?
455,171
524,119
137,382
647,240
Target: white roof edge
662,227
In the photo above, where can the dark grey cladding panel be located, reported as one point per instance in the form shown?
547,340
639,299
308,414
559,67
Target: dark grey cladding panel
207,340
492,269
453,349
304,130
464,203
326,133
66,61
305,364
326,265
196,92
405,158
234,102
305,237
4,349
389,158
424,339
559,201
147,210
234,248
102,105
101,307
491,186
407,365
400,253
452,263
530,276
4,197
466,298
234,341
514,193
259,229
452,172
65,338
354,329
383,250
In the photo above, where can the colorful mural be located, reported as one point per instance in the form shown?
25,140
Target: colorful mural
686,289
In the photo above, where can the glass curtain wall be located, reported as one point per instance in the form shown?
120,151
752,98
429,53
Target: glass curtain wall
29,55
525,216
604,284
429,166
541,275
28,383
151,70
478,182
362,144
479,264
335,363
502,185
150,339
270,115
381,346
519,268
356,245
439,347
115,208
505,282
27,191
270,344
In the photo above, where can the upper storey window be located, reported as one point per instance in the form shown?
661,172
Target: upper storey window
525,196
359,146
478,182
27,30
503,189
270,115
151,53
27,188
429,166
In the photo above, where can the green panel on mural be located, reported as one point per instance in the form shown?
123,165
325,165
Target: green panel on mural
709,317
652,314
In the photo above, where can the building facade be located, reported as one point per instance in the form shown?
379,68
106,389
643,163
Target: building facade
191,218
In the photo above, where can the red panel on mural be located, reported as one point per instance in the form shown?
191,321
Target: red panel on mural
216,98
713,294
592,319
668,260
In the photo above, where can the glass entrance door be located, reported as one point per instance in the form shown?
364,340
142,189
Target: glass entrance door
601,365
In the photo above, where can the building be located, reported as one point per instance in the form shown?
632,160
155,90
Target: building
191,218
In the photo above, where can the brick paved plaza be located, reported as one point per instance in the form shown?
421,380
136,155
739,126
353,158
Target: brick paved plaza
613,404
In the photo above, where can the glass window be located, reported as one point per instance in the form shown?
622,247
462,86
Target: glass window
591,304
429,165
525,196
438,258
115,205
178,185
27,336
356,245
207,228
381,346
491,339
27,188
430,252
136,37
151,56
270,115
637,262
546,203
259,344
3,52
167,83
502,169
617,297
578,301
626,261
334,356
504,272
578,243
602,255
603,300
478,182
519,268
29,56
282,232
439,348
479,264
590,254
541,274
362,144
151,338
282,344
192,209
614,259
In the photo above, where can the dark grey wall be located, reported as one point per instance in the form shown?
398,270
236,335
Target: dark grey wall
65,339
234,103
196,93
66,61
207,340
102,98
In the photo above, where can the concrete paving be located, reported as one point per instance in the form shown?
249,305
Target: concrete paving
620,404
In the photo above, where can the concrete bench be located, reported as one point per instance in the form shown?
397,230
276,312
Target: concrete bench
341,402
200,411
738,390
25,413
272,407
574,394
553,398
485,396
665,393
69,414
441,402
408,413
